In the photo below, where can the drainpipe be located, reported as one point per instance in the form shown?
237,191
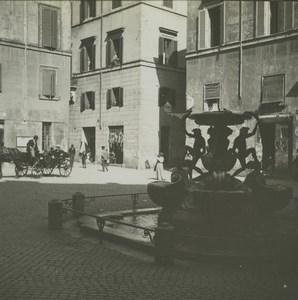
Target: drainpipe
240,53
100,65
25,108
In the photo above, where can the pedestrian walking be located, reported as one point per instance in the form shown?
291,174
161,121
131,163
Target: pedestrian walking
159,166
104,158
72,153
84,158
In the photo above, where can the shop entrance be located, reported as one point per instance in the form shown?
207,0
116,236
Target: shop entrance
277,146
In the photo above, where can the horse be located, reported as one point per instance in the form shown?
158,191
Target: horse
10,155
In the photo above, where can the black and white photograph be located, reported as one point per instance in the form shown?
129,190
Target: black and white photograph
148,150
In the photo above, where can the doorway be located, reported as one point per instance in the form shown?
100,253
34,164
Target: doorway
1,130
165,142
277,146
90,137
116,135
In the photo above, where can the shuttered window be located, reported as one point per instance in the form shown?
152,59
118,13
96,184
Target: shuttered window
114,97
167,51
49,83
166,95
168,3
87,101
210,29
211,97
46,135
273,88
87,9
49,27
116,3
87,54
114,48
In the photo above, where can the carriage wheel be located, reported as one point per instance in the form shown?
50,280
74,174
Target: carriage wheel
36,170
21,169
65,168
46,171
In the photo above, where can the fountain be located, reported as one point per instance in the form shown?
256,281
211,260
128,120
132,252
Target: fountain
215,213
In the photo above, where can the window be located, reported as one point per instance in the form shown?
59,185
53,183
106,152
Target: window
46,135
166,95
116,3
50,17
114,51
168,3
211,97
273,88
210,27
273,17
168,47
115,97
48,83
87,9
87,59
88,101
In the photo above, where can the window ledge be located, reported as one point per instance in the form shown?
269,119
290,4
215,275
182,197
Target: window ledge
46,98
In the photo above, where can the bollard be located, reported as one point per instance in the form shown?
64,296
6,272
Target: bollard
55,214
78,203
164,244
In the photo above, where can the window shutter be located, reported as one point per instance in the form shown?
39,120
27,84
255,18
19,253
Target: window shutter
92,8
53,84
121,97
46,27
288,15
85,10
221,24
260,30
82,102
202,29
92,100
212,91
54,29
47,83
82,11
173,53
273,88
109,101
120,56
82,58
160,51
0,79
108,52
93,51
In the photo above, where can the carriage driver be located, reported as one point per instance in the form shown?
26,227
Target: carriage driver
32,147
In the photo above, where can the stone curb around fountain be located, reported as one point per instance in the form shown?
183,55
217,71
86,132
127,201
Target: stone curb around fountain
89,226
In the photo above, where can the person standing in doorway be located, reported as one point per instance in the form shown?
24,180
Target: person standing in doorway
104,158
72,153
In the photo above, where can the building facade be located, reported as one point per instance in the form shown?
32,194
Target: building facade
35,57
242,56
128,78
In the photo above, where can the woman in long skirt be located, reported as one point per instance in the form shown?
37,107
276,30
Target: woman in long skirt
159,167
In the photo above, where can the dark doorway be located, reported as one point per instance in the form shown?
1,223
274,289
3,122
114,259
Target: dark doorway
116,136
165,142
268,142
90,137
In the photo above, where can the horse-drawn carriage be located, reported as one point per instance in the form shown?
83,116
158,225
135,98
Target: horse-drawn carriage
43,164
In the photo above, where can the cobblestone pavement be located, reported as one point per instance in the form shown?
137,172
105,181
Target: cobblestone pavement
36,263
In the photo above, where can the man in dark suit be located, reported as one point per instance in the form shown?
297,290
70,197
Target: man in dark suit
32,147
